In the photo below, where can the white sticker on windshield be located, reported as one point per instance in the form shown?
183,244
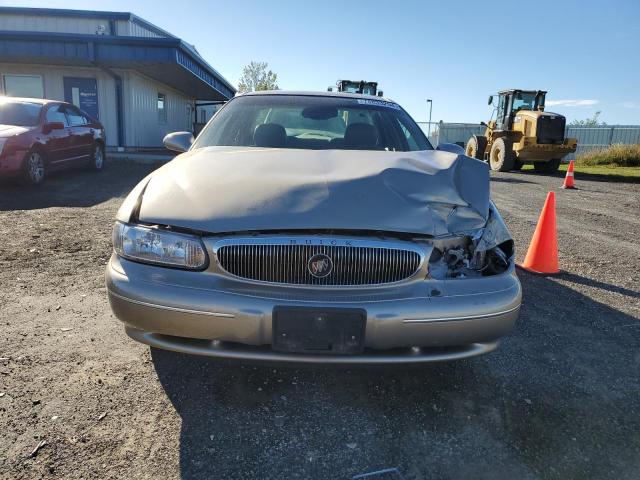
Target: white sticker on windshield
378,103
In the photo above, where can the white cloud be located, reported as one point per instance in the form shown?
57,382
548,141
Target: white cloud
572,103
631,104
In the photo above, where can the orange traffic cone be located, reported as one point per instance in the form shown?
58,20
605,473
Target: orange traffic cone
542,256
568,179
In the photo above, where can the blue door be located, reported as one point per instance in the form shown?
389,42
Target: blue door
83,93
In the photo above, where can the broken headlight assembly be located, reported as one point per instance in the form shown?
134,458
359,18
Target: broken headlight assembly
488,252
158,247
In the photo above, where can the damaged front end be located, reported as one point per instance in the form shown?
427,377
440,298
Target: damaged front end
485,252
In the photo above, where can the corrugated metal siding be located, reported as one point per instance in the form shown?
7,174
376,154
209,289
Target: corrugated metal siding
51,23
143,128
590,138
67,24
137,30
129,28
451,132
53,75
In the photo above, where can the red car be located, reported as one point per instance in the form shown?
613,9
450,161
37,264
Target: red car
39,136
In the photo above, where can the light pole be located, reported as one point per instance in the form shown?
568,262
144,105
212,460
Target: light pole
430,102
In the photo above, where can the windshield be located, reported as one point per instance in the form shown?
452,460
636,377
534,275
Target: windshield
22,114
524,101
313,122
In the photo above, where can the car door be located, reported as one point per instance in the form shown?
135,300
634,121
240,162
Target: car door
58,143
82,133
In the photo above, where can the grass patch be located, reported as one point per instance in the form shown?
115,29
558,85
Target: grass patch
614,156
603,173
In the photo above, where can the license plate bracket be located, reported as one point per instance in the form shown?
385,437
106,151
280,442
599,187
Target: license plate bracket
337,331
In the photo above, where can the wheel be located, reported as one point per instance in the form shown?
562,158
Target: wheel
501,157
476,147
550,166
517,165
98,158
34,169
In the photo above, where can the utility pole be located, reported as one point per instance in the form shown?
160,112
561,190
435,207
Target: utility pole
430,102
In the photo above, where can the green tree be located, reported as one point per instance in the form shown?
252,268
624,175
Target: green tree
255,76
589,122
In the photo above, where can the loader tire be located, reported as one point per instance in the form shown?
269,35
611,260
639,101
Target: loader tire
476,147
502,157
550,166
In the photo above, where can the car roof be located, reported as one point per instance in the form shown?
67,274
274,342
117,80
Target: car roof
317,94
41,101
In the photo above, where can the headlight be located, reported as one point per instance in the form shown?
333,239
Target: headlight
159,247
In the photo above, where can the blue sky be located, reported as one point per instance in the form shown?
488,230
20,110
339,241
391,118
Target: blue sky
585,53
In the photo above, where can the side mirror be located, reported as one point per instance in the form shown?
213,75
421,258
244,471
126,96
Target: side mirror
490,100
451,148
483,124
49,127
178,141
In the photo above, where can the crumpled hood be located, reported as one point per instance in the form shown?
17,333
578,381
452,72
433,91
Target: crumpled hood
11,130
232,189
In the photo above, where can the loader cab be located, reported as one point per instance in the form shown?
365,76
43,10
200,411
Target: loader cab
511,102
362,87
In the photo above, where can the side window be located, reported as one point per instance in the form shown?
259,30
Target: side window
74,117
56,114
162,108
500,112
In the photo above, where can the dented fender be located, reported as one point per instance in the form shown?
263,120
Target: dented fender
494,233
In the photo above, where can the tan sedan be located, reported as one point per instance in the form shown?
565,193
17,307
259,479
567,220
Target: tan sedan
314,227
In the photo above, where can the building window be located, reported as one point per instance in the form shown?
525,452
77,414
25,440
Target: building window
162,108
23,86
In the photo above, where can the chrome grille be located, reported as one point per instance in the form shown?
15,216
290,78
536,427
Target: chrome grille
353,264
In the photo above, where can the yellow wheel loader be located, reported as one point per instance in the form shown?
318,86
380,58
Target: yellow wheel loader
522,132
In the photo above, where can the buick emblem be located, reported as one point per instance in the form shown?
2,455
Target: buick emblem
320,265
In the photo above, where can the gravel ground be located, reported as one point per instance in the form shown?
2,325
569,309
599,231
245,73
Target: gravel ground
559,399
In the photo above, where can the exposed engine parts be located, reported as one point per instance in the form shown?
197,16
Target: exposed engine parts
489,252
464,261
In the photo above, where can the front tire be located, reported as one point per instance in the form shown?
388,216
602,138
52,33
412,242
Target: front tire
97,158
476,146
501,157
547,167
35,168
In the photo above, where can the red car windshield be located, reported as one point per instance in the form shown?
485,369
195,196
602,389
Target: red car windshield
22,114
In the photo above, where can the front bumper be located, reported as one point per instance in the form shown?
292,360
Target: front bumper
11,163
201,313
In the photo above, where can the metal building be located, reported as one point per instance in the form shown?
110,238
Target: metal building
140,81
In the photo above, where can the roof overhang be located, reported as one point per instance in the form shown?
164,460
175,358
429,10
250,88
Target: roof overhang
167,60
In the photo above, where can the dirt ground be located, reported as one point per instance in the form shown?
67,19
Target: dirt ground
559,399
